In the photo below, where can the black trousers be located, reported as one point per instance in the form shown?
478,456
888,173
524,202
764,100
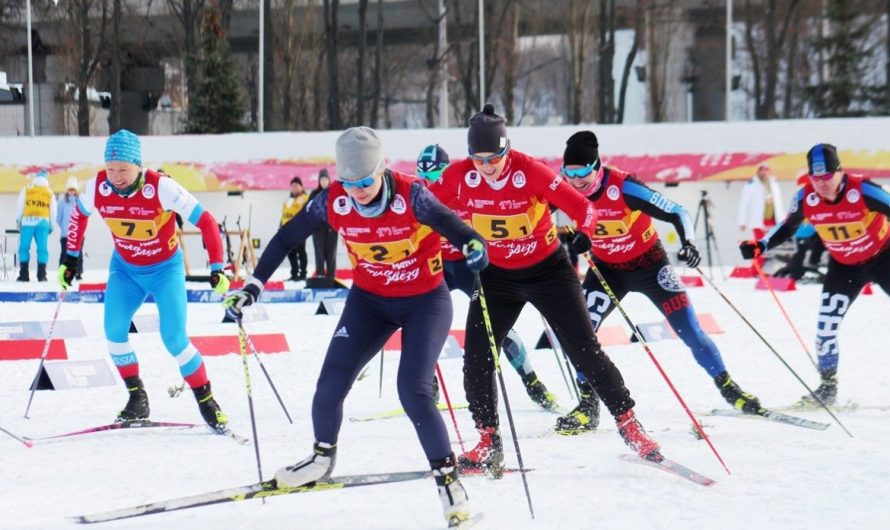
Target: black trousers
842,286
298,261
324,242
552,287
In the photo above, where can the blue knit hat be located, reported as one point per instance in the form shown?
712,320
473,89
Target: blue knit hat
124,146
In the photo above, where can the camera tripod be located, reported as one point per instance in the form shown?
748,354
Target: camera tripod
703,213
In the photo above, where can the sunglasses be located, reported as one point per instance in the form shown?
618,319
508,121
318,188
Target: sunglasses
361,183
493,159
823,177
580,172
431,175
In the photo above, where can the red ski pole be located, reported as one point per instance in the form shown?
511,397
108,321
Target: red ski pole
460,439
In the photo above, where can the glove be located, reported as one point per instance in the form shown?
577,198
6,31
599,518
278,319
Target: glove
751,249
67,271
237,301
219,281
689,254
477,255
580,243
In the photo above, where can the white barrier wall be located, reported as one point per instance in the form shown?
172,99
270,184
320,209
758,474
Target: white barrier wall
700,156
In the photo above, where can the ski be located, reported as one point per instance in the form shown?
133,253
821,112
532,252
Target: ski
135,424
229,433
671,467
472,521
772,415
263,489
849,406
395,413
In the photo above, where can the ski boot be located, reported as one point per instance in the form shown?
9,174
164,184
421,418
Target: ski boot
315,468
585,417
826,391
636,438
209,408
137,405
24,273
455,503
487,456
735,396
41,272
538,392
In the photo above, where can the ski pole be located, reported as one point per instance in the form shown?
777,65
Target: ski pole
773,350
45,352
460,439
242,342
551,336
27,443
772,291
256,356
645,345
380,385
497,367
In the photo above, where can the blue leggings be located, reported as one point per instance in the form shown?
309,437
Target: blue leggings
367,322
128,287
39,233
660,284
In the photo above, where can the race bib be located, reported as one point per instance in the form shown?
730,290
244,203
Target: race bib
502,227
383,252
133,229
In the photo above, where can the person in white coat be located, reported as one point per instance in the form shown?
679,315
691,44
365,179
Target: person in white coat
761,203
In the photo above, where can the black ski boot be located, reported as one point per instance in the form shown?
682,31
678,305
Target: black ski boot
735,396
210,410
585,417
41,272
826,391
137,405
538,392
24,274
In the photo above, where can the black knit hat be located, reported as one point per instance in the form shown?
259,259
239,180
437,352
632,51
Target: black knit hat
323,173
296,180
822,159
488,131
582,148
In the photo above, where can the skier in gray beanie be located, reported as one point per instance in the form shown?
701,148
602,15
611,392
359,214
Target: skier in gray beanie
359,154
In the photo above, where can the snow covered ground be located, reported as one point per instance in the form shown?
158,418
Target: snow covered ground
782,476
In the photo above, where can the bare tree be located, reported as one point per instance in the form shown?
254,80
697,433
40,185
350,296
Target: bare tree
188,13
114,115
606,57
86,21
378,66
629,61
577,34
331,30
660,24
360,63
766,59
300,54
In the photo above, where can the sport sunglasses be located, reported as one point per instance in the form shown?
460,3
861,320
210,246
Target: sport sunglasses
580,172
823,177
361,183
493,159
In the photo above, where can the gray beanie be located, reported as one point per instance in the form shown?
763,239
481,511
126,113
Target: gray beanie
488,131
359,153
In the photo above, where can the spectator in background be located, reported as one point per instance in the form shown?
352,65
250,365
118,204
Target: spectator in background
324,240
35,211
67,203
761,203
292,206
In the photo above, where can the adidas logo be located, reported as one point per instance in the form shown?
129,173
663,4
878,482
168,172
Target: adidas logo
342,333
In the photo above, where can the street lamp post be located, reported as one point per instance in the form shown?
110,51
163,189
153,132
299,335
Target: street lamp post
481,55
262,67
728,60
30,71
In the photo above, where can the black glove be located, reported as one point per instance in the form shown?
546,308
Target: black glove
477,255
689,254
237,301
750,249
580,243
67,271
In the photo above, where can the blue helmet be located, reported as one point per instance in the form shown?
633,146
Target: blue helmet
432,162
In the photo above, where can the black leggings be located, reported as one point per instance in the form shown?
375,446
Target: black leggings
552,287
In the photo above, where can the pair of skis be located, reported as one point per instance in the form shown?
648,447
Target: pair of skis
269,488
142,424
